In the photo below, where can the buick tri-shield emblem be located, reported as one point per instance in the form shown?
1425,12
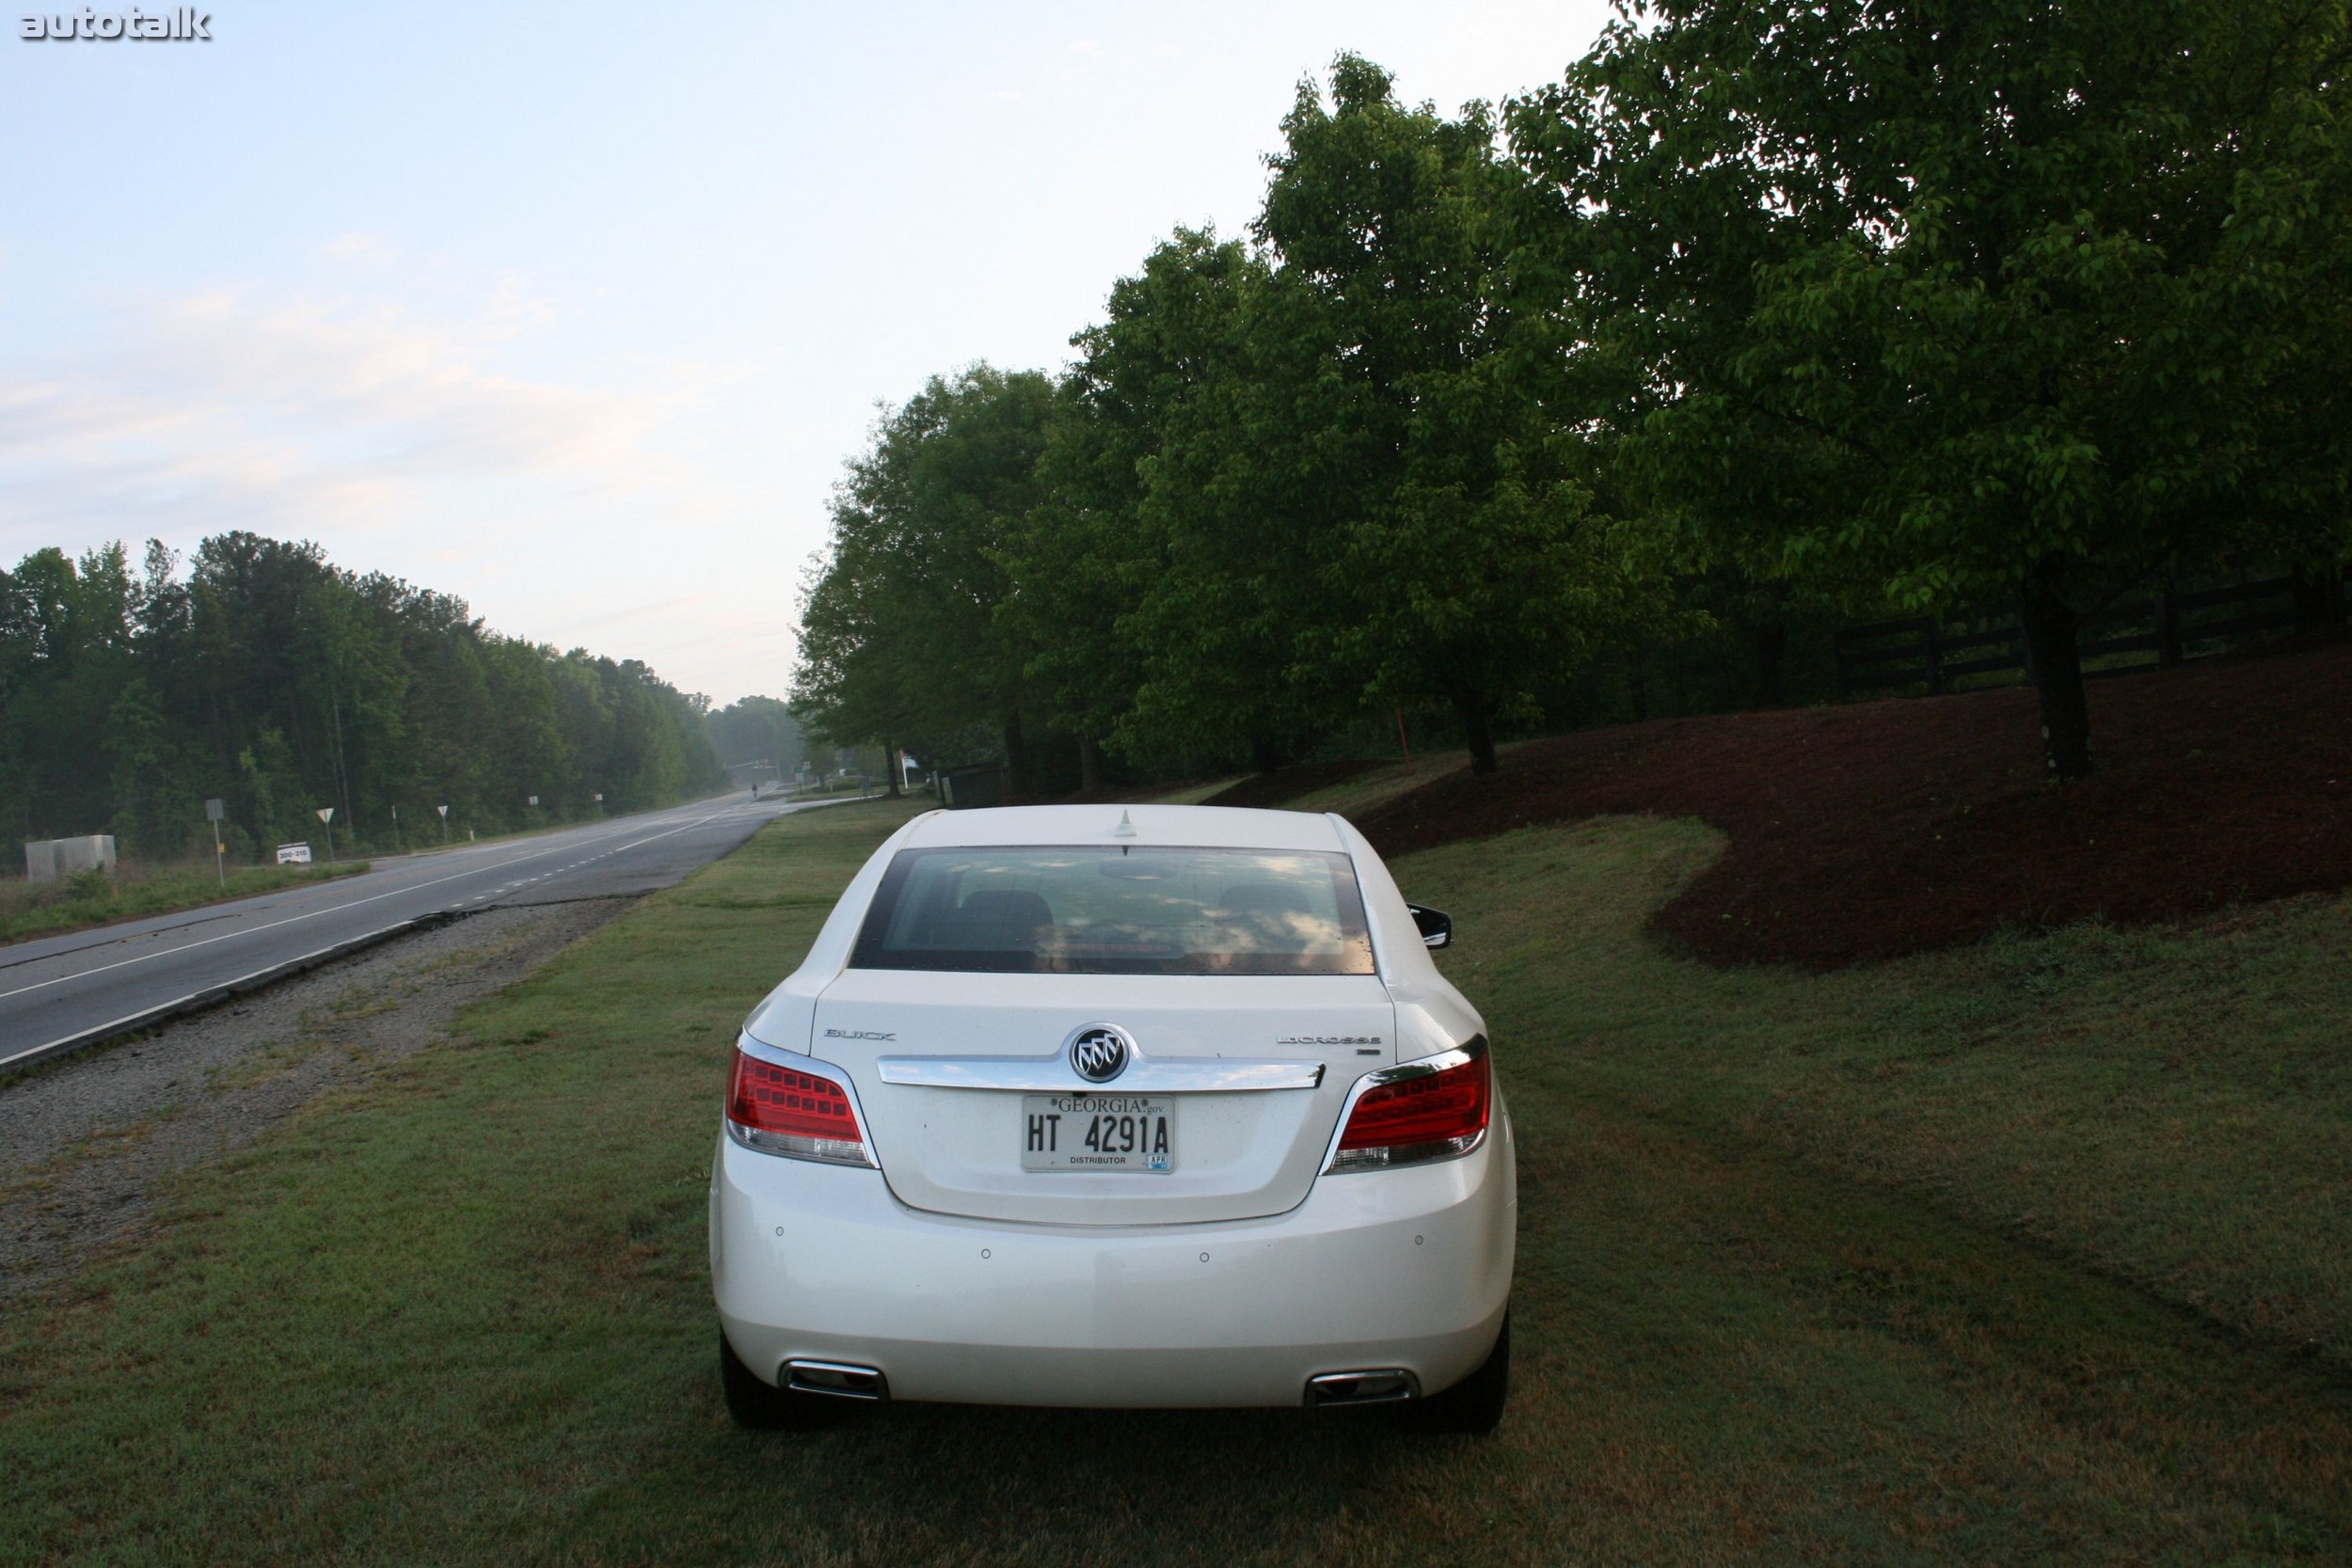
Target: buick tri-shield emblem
1100,1052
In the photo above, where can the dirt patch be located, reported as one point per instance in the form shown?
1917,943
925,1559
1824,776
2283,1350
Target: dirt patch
1877,829
85,1141
1273,790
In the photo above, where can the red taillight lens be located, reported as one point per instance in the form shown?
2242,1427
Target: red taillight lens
784,1110
1429,1118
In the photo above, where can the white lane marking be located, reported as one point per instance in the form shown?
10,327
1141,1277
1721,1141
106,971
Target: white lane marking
332,909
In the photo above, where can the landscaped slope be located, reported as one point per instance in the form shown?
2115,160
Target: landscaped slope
1882,827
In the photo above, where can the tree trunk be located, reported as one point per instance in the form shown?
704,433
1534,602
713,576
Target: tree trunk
897,767
1016,758
2050,624
1478,729
1771,647
1090,766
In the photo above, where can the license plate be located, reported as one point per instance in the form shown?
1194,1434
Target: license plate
1098,1132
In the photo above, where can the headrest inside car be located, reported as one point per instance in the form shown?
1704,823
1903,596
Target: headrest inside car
999,919
1266,899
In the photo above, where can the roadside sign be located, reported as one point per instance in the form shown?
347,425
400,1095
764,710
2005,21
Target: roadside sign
213,812
534,799
326,814
444,811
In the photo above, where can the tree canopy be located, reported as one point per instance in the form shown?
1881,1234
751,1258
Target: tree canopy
901,638
257,673
2012,299
1766,312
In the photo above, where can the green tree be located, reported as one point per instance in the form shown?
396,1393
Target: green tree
65,652
1462,559
280,683
2007,297
1235,504
1094,550
755,730
901,638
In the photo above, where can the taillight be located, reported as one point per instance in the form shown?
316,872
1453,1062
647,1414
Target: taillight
1418,1114
790,1110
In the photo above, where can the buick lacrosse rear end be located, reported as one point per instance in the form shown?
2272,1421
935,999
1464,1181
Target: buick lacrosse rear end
1084,1105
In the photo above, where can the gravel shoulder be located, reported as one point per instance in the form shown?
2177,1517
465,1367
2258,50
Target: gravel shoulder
87,1143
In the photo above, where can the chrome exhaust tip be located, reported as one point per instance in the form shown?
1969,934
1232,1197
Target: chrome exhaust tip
835,1379
1381,1385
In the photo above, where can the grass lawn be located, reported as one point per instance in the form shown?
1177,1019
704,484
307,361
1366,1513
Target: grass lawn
45,908
2034,1249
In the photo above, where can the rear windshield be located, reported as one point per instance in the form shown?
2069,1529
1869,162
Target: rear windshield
1117,910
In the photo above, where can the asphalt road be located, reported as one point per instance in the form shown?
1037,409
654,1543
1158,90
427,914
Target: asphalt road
61,989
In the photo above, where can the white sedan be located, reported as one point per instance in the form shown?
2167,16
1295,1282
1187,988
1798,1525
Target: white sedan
1129,1108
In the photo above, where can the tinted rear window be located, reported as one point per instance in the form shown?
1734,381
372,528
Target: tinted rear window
1114,909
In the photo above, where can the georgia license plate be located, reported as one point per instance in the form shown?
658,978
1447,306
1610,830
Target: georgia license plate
1098,1132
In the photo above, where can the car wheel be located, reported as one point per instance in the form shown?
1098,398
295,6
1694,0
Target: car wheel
1472,1407
758,1406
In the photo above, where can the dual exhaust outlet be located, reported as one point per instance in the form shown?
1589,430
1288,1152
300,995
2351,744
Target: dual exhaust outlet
842,1380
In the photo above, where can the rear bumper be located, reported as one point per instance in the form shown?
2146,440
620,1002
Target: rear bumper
1409,1268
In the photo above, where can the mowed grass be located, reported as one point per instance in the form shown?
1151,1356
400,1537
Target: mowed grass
2171,1105
1873,1267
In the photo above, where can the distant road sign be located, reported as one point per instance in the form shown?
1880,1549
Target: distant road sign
213,812
326,814
444,811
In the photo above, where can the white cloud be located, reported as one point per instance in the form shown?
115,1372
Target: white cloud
352,245
403,443
215,409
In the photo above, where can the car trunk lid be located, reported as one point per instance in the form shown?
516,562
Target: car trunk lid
1252,1070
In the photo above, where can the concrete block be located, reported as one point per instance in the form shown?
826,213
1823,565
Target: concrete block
48,859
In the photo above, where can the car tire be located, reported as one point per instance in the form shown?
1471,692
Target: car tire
758,1406
1472,1407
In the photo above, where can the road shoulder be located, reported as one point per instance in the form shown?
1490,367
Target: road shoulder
86,1142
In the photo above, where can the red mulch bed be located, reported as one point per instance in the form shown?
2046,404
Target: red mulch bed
1864,831
1272,789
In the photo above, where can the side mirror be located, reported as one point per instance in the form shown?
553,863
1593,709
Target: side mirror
1436,927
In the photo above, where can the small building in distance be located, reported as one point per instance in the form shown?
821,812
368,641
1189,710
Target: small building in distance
48,859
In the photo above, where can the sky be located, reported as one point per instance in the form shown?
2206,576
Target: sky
575,311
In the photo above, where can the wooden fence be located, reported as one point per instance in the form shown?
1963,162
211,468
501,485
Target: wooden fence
1932,653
